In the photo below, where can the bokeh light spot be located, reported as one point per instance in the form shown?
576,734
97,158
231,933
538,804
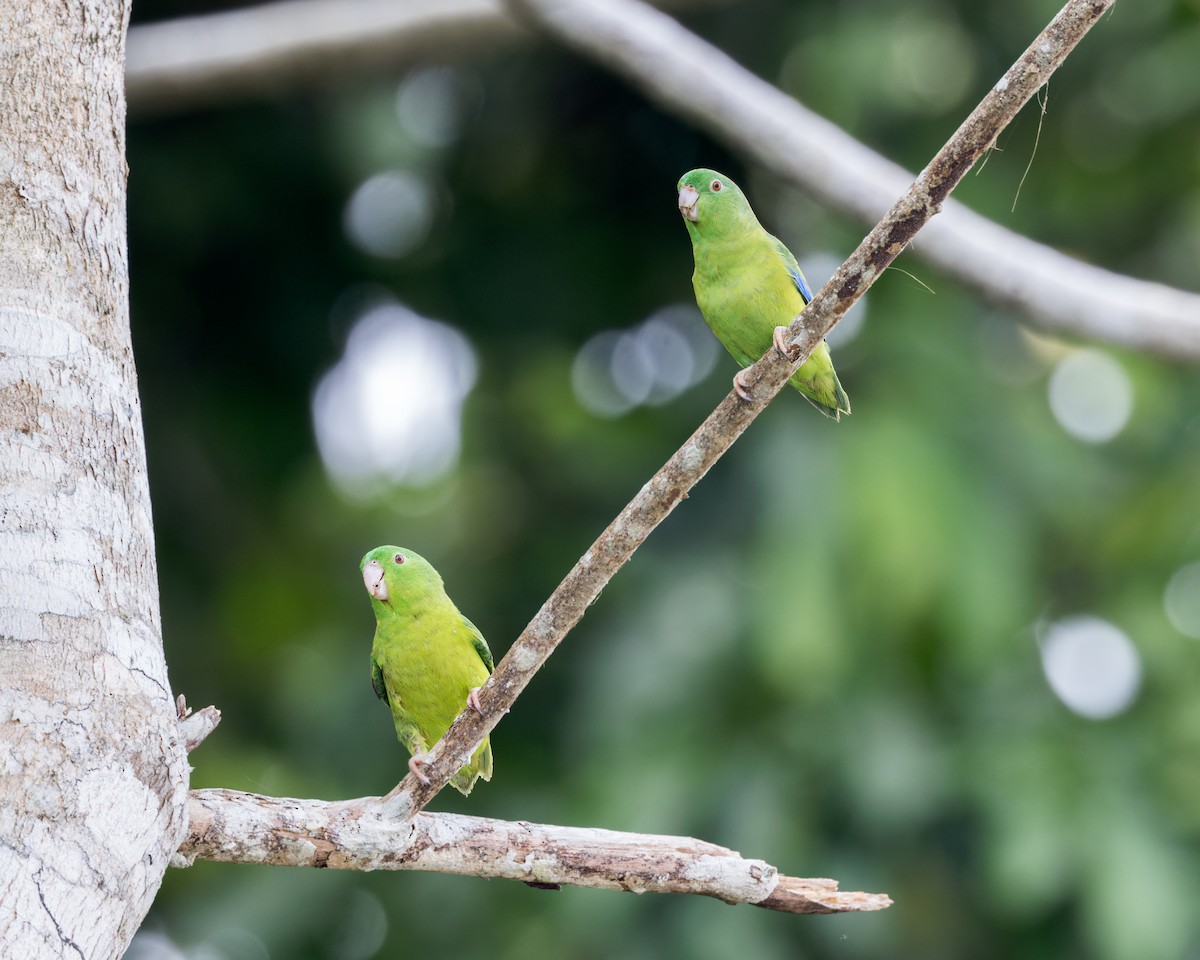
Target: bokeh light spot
230,943
390,214
363,930
1091,395
390,411
1181,600
924,83
429,105
650,364
148,945
1091,665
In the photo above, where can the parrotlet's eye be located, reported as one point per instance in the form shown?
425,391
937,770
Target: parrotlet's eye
398,558
716,186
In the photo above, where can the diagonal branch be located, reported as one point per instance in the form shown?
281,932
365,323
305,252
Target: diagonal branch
206,59
392,832
698,81
237,827
593,24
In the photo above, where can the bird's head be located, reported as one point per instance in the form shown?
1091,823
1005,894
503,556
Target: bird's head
712,204
395,576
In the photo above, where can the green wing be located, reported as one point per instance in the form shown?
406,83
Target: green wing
793,268
481,647
377,682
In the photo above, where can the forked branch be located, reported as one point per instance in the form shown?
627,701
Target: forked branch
369,834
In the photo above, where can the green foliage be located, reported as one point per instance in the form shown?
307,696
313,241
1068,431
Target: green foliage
828,657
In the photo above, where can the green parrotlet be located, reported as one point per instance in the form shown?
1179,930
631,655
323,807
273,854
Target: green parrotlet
428,660
749,286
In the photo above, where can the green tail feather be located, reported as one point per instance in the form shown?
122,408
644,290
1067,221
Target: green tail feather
480,766
818,383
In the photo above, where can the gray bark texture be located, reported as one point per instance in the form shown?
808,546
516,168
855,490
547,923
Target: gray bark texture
93,772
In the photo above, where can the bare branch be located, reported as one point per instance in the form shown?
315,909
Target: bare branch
393,832
589,22
240,827
209,58
191,61
195,727
698,81
179,63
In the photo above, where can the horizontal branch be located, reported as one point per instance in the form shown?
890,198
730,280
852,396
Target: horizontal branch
237,827
697,80
227,825
191,61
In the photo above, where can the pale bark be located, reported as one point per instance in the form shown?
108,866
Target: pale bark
94,775
194,728
231,826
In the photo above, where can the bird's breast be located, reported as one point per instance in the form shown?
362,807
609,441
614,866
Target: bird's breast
744,294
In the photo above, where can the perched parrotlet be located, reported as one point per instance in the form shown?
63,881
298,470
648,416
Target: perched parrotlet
749,286
428,660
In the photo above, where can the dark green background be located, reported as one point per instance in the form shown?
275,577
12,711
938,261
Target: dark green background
827,657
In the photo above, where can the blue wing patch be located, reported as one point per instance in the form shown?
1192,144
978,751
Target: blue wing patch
793,268
801,283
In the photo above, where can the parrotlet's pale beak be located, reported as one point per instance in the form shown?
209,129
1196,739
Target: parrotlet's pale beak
687,202
373,579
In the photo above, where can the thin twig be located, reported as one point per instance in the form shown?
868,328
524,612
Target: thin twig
237,827
591,26
1043,101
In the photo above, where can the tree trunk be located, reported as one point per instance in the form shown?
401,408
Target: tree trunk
93,776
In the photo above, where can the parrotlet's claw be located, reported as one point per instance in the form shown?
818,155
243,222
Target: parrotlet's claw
789,351
414,767
473,701
740,388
